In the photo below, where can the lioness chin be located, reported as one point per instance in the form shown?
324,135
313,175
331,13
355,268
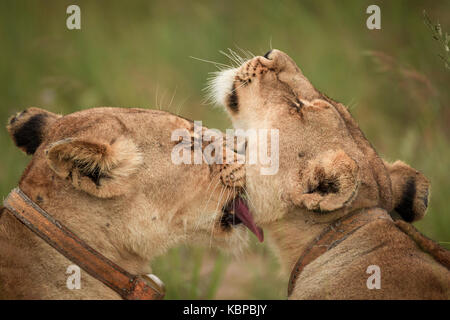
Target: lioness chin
327,208
107,175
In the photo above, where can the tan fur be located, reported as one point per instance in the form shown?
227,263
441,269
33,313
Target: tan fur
107,174
327,168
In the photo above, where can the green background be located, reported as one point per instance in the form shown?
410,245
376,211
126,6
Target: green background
137,54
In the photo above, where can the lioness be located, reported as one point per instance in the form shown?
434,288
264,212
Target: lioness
327,208
107,175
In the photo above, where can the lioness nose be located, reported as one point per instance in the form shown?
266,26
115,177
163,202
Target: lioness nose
272,54
277,58
267,54
281,61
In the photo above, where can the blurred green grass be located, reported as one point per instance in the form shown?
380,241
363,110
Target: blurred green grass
136,54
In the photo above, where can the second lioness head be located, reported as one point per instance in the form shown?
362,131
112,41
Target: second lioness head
326,165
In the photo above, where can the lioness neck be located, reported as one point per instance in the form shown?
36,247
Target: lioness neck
291,236
31,269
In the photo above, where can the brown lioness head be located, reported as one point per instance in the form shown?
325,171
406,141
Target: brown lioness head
107,174
326,165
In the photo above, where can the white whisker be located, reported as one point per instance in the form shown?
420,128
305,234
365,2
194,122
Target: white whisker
180,106
249,198
235,63
238,57
212,62
173,96
203,210
213,222
156,96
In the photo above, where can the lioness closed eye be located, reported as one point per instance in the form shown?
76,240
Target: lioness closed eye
107,175
328,206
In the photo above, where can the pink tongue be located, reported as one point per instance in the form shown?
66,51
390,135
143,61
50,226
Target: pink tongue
242,212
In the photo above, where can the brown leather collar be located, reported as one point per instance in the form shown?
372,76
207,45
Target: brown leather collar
128,286
332,235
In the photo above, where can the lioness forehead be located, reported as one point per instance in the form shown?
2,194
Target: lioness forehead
117,121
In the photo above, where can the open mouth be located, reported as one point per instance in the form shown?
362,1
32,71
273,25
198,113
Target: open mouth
236,212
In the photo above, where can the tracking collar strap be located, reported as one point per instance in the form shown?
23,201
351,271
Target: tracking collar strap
332,235
128,286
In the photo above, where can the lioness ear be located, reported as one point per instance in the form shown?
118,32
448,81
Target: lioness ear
330,182
98,168
411,191
28,128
